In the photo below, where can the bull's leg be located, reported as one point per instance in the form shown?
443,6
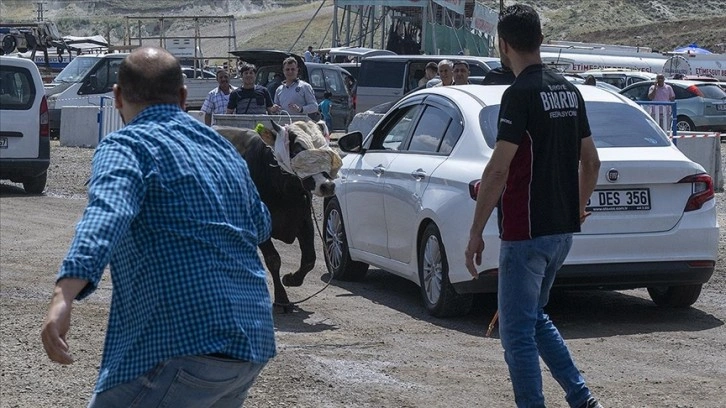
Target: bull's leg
273,263
306,240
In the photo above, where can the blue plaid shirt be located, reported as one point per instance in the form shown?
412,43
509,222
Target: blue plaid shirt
172,208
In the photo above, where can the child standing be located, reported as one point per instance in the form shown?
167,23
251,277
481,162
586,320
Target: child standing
325,110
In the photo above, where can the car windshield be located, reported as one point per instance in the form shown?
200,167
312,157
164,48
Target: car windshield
77,69
712,91
612,125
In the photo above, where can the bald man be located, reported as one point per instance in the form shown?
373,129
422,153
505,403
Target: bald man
172,209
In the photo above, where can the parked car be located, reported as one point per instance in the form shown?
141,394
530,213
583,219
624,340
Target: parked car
386,78
699,105
24,127
322,77
406,194
190,72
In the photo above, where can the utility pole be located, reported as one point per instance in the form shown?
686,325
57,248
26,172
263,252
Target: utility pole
40,11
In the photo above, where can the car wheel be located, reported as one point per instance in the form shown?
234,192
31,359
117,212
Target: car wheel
684,124
439,296
675,296
35,185
337,257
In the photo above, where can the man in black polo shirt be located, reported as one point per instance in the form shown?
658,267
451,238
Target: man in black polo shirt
250,99
543,170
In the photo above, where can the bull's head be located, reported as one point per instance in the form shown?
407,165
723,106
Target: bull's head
302,149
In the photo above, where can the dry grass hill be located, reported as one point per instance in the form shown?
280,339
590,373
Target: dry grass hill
659,24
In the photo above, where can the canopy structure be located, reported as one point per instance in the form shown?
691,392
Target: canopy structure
692,48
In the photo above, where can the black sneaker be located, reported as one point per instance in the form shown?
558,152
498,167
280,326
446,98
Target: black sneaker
591,403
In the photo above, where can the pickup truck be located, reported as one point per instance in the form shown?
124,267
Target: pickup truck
88,81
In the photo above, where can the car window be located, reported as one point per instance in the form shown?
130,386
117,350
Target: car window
316,79
381,74
17,91
638,92
334,82
712,91
392,134
430,130
682,93
633,127
453,132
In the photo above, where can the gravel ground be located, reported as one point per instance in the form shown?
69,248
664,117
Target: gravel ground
363,344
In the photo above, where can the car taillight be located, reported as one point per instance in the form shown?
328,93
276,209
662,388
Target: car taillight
702,190
694,90
44,118
474,189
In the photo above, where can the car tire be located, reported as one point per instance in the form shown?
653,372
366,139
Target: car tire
35,185
675,296
684,124
439,296
337,257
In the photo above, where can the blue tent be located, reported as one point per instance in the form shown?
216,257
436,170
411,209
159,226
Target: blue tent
692,48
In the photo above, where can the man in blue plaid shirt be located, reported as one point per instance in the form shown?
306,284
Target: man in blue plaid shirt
172,208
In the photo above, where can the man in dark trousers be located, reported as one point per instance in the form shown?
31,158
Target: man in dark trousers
541,174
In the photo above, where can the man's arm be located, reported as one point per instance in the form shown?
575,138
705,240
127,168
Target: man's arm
493,180
589,169
57,322
651,92
311,104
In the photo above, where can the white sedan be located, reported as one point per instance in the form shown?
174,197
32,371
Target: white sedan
405,198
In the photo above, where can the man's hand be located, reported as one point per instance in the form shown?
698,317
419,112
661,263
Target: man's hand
58,320
55,328
473,254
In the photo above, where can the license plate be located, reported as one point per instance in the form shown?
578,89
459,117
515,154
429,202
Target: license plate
636,199
3,142
721,107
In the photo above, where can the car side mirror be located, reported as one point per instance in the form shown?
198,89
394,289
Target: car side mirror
351,142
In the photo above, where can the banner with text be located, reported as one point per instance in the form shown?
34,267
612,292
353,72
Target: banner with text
389,3
454,5
484,20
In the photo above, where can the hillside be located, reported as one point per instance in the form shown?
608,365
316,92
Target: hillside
659,24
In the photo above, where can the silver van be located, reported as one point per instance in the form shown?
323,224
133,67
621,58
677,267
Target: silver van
385,78
619,77
24,125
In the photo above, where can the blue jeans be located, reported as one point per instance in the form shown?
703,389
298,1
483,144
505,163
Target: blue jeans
526,272
189,381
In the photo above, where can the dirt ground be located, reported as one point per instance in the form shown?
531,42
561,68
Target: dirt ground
365,344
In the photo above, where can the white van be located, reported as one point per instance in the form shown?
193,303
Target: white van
386,78
24,130
89,79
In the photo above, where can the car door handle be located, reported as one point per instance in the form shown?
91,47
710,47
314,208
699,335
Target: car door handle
419,174
378,170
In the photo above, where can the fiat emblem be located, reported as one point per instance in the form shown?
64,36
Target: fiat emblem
613,175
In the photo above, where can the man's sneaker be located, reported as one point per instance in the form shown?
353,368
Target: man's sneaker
591,403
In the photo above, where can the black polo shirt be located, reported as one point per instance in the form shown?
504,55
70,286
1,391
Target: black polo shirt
250,101
545,115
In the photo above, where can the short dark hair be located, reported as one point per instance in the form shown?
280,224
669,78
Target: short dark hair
289,60
461,62
327,94
432,65
519,26
150,75
246,66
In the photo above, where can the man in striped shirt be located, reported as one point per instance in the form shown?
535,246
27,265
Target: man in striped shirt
218,98
173,210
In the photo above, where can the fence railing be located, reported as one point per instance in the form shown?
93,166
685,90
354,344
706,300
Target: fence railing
664,113
109,119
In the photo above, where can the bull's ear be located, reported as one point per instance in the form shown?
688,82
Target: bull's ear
268,136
